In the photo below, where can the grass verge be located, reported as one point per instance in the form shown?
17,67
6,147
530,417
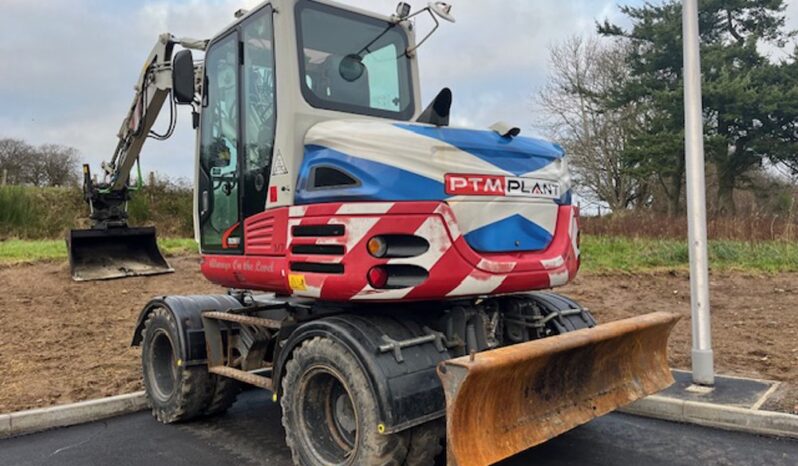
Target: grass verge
599,254
612,254
15,251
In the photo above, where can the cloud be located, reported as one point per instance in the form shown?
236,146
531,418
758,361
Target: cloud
69,65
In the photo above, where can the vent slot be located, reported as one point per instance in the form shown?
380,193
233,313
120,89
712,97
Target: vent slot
313,267
329,177
319,250
305,231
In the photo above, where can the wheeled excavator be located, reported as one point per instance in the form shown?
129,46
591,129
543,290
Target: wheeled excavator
389,274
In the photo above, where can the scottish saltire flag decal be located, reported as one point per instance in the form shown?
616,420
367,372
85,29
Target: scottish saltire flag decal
504,192
516,156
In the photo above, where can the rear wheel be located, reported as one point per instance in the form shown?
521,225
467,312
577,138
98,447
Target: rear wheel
178,393
223,395
426,444
330,410
568,315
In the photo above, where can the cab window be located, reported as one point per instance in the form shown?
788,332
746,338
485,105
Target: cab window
353,63
219,143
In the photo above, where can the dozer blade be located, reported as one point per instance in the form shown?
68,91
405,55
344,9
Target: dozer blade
504,401
114,253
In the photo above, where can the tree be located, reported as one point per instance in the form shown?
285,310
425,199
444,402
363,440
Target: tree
750,102
57,165
15,156
583,72
46,165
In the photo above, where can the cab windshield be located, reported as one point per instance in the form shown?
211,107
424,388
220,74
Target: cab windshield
353,63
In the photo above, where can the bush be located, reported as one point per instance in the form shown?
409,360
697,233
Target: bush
647,224
28,212
36,213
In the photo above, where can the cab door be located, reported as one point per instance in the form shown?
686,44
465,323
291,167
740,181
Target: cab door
236,132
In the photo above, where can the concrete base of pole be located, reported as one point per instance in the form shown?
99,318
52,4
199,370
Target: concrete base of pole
733,403
703,367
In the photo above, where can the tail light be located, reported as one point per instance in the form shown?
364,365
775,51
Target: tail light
397,246
395,277
377,247
378,278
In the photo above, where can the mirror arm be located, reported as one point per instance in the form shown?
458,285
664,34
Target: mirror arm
410,52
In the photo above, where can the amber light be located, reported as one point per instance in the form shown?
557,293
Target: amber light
377,247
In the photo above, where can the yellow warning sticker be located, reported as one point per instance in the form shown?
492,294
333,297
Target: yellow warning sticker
297,282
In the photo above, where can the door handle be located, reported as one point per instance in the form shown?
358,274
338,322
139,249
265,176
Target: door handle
205,203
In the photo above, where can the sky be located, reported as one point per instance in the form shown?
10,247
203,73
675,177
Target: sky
67,67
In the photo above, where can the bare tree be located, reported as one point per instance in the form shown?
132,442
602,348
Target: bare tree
46,165
57,165
574,102
15,156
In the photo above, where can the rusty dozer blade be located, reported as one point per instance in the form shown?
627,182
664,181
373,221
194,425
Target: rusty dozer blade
504,401
114,253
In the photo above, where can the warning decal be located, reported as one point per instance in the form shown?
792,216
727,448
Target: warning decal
279,167
297,282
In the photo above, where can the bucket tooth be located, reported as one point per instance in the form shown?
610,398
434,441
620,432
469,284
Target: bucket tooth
504,401
104,254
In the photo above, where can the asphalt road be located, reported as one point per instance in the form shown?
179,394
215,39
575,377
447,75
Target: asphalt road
251,434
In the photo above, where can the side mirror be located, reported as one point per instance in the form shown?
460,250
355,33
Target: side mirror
183,77
352,68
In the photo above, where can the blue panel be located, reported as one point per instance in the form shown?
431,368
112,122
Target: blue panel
378,182
519,155
503,235
566,199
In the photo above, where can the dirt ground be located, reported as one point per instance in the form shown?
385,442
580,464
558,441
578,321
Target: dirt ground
62,341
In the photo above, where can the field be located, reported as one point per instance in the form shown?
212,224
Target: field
15,251
65,341
600,254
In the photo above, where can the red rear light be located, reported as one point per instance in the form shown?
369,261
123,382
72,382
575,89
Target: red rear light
378,278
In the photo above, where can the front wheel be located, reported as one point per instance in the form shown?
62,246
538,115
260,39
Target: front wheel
330,411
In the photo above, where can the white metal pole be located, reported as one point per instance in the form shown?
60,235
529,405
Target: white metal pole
703,370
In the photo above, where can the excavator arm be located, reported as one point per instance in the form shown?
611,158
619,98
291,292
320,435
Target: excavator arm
111,249
154,87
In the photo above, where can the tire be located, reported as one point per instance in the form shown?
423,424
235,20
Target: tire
223,395
176,392
426,444
553,302
330,411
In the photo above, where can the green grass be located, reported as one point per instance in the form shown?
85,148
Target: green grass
610,254
599,254
16,251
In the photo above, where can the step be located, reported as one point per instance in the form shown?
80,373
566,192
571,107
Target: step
242,319
243,376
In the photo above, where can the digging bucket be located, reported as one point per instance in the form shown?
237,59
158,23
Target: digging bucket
114,253
504,401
